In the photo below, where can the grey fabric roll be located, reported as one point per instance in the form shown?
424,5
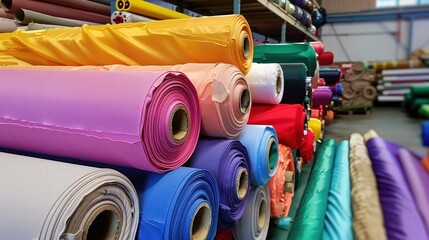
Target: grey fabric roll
24,16
39,26
7,25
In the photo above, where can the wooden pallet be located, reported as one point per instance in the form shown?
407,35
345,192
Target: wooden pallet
355,111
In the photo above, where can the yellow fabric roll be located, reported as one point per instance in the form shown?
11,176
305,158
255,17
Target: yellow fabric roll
226,39
148,9
316,127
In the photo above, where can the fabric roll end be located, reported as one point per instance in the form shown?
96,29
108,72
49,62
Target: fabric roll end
201,222
242,183
179,124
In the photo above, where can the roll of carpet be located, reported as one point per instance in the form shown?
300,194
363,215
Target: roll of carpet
262,146
326,58
306,151
24,16
126,17
316,127
148,9
338,219
425,133
256,220
417,179
331,75
310,217
266,83
401,217
295,86
130,114
321,96
287,120
180,204
7,25
56,200
287,53
216,39
319,48
228,161
368,220
282,184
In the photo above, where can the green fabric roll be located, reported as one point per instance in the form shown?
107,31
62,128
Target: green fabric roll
309,221
424,111
295,86
287,53
420,91
416,104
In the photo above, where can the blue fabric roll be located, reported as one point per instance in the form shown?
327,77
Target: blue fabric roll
425,133
338,218
262,146
169,202
228,161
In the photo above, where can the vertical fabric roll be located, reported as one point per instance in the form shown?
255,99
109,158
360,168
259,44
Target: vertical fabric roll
306,151
287,53
295,86
56,200
310,217
142,120
228,161
256,220
402,219
215,39
316,127
282,184
266,83
287,120
321,96
263,148
148,9
331,75
338,219
180,204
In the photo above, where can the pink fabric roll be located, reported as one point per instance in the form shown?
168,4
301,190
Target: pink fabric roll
319,48
321,82
4,14
143,120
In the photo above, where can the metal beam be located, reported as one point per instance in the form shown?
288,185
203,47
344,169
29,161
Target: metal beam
410,37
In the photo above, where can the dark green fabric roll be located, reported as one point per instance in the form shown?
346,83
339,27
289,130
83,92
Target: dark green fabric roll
294,87
420,91
310,218
287,53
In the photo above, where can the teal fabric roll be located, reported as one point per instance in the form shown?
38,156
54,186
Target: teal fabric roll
338,219
310,219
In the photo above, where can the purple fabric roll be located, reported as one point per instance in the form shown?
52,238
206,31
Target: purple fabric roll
322,96
402,219
418,179
228,161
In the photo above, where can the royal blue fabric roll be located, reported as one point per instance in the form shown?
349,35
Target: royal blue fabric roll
425,133
228,161
338,218
262,146
401,217
180,204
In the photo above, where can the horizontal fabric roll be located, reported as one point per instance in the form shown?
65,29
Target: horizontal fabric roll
114,113
321,82
266,83
425,133
424,111
24,16
287,120
263,148
4,14
287,53
338,219
420,91
228,161
310,217
83,5
282,184
126,17
425,163
38,26
7,25
331,75
148,9
317,112
225,39
329,117
180,204
316,127
256,220
224,234
306,151
319,48
56,200
321,96
402,219
295,86
326,58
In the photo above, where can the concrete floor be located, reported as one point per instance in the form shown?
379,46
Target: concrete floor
391,123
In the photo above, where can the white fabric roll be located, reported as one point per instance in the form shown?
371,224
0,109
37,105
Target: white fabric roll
124,17
7,25
44,199
266,83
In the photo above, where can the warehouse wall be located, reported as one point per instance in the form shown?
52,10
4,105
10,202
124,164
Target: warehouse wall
335,6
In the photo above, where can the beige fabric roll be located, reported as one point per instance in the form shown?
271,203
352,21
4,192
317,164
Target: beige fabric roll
368,222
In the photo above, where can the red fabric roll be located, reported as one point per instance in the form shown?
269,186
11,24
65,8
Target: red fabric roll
317,112
224,234
326,58
307,148
287,120
4,14
321,82
318,47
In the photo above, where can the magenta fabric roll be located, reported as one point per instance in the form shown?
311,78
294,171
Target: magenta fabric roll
322,95
143,120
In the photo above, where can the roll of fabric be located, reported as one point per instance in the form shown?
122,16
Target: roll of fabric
228,161
424,111
317,113
338,219
368,220
54,10
329,119
306,19
38,26
321,82
417,180
60,201
287,120
306,151
310,217
4,14
402,219
319,48
216,39
7,25
180,204
326,58
24,16
295,86
316,127
83,5
266,83
416,104
224,234
331,75
262,146
287,53
425,163
256,220
298,13
321,96
425,133
420,91
126,17
130,114
378,66
282,184
148,9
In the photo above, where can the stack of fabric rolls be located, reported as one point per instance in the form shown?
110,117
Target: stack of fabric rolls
417,101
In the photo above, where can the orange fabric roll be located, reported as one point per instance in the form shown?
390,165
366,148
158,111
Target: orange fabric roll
425,163
329,117
282,183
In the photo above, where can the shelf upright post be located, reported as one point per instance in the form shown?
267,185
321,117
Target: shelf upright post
237,6
283,36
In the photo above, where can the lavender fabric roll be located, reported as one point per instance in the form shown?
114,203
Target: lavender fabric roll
401,216
322,96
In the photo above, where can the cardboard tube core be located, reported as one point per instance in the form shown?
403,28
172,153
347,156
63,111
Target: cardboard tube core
244,101
201,222
262,214
246,46
104,223
19,16
272,154
6,4
179,124
242,183
279,84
